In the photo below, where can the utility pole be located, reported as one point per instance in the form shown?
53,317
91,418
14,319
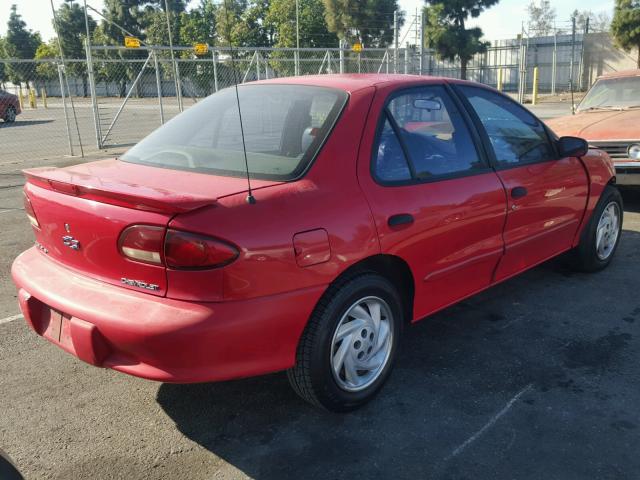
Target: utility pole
396,39
297,65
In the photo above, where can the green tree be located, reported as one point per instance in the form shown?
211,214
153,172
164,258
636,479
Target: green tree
72,30
49,52
625,26
253,29
20,43
3,70
446,31
242,23
370,22
313,27
199,25
127,14
228,18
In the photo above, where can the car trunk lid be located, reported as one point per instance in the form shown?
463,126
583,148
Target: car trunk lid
82,210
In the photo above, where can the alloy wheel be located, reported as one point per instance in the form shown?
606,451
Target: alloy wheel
362,343
608,230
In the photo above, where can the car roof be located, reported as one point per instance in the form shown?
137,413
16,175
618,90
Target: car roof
622,73
350,82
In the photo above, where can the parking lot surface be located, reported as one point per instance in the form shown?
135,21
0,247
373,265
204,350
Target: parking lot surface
535,378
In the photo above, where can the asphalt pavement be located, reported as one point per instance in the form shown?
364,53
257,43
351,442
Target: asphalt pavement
535,378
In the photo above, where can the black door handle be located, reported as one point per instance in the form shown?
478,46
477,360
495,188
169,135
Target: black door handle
518,192
400,219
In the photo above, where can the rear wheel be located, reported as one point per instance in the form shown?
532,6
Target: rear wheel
10,115
601,236
347,350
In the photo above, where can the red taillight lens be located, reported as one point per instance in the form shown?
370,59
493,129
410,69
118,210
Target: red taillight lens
189,250
142,243
28,208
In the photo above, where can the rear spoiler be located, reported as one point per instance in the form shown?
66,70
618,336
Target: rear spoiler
113,192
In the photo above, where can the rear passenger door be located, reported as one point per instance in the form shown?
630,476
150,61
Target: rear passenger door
436,202
547,194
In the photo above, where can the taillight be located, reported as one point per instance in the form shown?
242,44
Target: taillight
142,243
189,250
28,208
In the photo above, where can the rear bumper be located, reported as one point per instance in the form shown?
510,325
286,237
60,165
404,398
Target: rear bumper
627,173
159,338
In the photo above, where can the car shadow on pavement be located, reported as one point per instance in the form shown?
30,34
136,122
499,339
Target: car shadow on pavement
516,379
631,198
23,123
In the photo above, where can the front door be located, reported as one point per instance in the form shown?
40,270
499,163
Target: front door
436,202
546,194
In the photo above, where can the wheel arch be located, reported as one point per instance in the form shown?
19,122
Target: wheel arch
391,267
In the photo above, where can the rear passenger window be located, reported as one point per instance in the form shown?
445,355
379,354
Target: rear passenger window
390,163
425,125
517,137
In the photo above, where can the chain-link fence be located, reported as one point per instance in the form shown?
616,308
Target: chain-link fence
116,96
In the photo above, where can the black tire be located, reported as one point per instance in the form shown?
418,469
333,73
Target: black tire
584,257
313,376
10,115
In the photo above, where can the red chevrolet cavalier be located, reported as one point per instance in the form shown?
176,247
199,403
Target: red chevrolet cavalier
375,201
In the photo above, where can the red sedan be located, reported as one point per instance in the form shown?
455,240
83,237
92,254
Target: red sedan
375,201
9,106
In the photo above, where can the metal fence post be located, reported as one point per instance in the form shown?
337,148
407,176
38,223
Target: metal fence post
421,38
396,35
406,59
158,85
554,63
341,58
214,59
94,96
64,107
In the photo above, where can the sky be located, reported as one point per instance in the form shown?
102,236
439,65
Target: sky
499,22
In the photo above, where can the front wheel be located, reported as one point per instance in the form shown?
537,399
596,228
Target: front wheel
10,115
348,347
601,236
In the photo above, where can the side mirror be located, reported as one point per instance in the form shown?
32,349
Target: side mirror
572,147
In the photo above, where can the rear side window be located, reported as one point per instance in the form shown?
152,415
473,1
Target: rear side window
424,136
391,163
284,128
517,137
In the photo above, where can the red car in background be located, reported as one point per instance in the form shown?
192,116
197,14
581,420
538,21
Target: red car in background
376,201
608,118
9,106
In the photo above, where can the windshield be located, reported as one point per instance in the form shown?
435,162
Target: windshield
284,127
613,93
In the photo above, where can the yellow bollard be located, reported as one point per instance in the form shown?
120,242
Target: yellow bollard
43,93
534,99
20,99
499,87
32,98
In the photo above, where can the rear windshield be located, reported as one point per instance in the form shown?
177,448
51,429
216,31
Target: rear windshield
284,127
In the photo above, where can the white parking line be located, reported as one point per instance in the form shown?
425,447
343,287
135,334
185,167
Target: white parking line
11,318
489,424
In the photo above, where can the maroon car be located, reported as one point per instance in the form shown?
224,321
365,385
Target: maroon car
9,106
